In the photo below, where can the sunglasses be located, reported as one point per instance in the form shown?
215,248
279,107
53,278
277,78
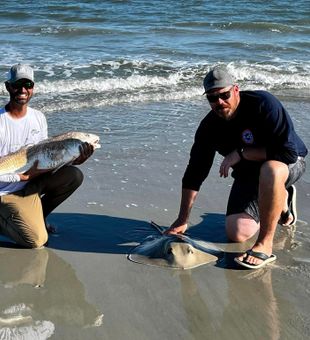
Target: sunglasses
23,84
213,98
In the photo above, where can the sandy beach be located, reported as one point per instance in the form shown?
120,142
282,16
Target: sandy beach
132,72
82,286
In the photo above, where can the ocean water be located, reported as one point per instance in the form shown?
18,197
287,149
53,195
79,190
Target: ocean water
133,70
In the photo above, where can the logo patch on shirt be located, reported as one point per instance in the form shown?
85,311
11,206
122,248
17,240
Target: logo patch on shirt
247,136
34,132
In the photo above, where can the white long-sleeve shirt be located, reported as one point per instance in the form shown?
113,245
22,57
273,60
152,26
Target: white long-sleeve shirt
16,133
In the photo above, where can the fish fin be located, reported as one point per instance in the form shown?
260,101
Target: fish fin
61,165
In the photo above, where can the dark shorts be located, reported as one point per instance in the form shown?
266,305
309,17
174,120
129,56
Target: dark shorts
244,192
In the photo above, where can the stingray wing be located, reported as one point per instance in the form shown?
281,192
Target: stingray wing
172,251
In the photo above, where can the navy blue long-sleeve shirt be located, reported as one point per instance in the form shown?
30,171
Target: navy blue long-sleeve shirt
260,121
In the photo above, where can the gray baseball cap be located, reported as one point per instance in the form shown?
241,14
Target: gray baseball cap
217,78
20,71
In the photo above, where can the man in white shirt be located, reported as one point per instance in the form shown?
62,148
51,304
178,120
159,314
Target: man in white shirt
26,199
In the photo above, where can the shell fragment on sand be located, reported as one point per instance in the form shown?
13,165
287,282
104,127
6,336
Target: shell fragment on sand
51,153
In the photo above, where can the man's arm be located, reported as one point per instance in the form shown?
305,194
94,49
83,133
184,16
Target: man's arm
247,153
179,226
32,173
200,162
282,142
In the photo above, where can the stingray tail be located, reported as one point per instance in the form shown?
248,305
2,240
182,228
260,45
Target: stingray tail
163,229
158,227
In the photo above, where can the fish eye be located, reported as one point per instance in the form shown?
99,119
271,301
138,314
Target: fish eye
169,251
190,250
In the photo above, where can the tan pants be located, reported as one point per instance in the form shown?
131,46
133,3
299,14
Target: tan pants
23,213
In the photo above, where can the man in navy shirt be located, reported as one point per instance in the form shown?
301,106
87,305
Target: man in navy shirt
256,136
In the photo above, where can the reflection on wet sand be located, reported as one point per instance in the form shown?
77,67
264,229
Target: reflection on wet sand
233,310
39,292
241,303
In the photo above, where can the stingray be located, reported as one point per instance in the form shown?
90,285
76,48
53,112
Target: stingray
174,251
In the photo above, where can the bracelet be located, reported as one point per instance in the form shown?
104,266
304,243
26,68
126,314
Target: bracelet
240,152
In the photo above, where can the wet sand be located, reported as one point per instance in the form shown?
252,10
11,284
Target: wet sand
82,286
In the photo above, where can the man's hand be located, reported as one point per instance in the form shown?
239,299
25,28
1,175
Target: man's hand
86,150
229,161
177,227
32,172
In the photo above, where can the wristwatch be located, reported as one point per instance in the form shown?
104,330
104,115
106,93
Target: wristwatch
240,152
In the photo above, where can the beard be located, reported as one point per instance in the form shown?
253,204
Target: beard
224,112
